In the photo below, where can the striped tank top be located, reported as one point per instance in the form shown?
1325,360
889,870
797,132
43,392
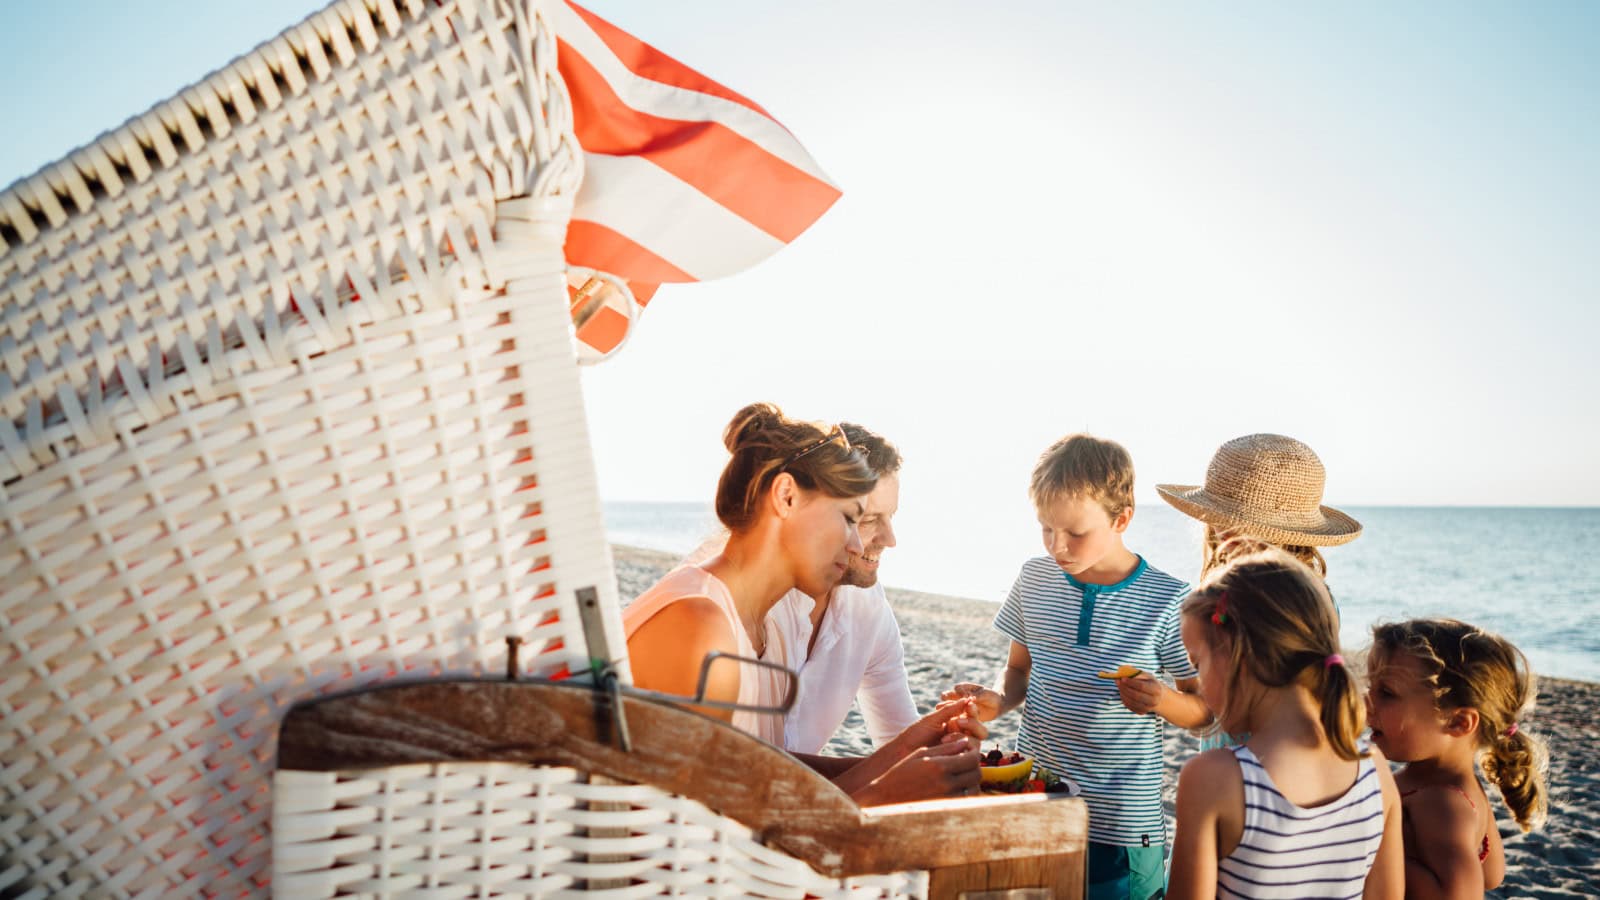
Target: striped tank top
1291,851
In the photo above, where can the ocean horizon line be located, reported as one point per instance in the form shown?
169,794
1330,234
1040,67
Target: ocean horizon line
1341,505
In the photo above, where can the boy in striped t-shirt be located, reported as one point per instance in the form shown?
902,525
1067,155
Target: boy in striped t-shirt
1093,606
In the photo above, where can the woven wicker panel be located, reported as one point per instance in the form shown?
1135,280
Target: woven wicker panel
379,510
499,829
290,405
335,174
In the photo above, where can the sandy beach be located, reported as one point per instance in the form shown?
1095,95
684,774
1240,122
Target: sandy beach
949,639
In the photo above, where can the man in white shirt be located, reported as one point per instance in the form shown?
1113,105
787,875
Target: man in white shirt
846,645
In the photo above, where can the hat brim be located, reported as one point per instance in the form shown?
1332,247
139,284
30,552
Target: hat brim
1335,527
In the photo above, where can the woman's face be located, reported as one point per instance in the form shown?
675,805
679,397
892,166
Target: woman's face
819,538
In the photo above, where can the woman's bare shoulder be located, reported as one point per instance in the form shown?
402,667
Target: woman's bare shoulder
691,620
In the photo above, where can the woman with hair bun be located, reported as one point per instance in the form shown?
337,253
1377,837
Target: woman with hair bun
790,496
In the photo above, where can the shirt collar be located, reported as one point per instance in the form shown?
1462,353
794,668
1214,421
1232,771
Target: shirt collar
1102,588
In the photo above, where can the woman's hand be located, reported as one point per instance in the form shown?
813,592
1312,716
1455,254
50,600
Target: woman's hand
946,769
950,735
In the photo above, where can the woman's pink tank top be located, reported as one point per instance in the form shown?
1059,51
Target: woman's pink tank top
757,685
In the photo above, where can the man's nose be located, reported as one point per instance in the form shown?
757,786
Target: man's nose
887,536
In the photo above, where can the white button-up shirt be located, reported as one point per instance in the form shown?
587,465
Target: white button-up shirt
858,656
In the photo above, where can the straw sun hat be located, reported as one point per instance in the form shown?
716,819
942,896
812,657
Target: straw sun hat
1268,486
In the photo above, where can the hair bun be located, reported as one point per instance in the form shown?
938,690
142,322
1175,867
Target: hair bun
755,419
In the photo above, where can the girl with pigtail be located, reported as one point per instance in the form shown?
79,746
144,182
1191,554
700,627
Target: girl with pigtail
1446,699
1300,809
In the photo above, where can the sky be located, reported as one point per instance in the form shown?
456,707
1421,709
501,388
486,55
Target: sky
1370,226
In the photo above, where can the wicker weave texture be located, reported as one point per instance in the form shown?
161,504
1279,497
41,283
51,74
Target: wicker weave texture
290,405
498,829
388,510
318,183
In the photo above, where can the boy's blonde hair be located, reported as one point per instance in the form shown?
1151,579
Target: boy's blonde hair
1469,667
1272,617
1080,465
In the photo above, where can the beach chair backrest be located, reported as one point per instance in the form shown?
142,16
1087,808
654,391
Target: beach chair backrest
291,411
290,405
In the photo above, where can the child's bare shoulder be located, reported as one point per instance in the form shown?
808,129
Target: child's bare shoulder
1439,806
1213,771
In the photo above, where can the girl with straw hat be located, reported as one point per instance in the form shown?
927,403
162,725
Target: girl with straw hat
1267,487
1261,489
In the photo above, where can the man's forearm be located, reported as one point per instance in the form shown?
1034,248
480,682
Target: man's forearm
829,767
884,694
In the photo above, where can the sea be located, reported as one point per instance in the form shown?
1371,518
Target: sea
1530,574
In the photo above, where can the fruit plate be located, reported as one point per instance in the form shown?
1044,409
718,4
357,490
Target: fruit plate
1007,771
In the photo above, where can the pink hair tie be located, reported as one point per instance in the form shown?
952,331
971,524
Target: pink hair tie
1333,659
1511,729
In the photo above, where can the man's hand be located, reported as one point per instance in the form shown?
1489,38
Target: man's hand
1141,693
956,716
986,701
946,769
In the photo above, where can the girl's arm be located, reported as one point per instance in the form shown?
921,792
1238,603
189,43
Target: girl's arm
1010,689
1443,861
666,652
1145,693
1209,789
1389,878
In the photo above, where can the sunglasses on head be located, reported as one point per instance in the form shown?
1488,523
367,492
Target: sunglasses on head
836,432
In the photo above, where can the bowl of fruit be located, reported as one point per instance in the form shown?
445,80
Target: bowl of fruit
997,766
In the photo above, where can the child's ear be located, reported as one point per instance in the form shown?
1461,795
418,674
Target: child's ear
1462,723
1120,523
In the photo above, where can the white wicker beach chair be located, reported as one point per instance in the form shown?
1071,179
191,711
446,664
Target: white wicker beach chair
291,407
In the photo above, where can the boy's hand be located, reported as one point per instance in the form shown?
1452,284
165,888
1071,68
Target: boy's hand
986,701
1142,693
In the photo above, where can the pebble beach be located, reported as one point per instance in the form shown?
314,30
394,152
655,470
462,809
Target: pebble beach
949,639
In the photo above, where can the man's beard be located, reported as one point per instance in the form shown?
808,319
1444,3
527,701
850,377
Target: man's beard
854,577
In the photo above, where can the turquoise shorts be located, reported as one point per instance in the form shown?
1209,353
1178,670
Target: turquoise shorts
1126,873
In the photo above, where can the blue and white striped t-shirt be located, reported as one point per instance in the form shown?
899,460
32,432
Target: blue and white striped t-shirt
1074,723
1290,851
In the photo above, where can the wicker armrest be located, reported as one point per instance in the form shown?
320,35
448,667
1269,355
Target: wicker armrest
787,806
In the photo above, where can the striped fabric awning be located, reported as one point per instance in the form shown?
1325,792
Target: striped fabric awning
684,180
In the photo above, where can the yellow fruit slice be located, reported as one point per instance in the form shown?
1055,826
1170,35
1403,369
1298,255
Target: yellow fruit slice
1123,671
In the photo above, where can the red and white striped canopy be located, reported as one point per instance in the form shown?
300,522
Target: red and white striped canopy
684,180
